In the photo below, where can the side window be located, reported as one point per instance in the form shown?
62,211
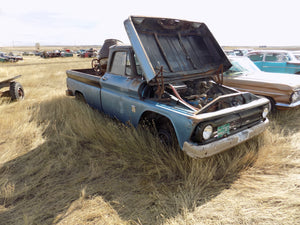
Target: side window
277,57
274,57
283,57
256,57
128,65
139,69
270,57
121,64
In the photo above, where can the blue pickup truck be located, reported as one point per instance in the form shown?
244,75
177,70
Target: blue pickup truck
171,76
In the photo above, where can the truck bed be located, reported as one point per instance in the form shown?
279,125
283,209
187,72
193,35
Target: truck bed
88,76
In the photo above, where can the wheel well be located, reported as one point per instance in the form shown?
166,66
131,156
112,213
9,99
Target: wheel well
159,124
79,96
272,102
150,117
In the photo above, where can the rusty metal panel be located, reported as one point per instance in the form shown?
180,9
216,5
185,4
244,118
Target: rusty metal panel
180,47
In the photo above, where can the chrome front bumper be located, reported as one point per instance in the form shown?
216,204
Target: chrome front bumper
287,106
202,151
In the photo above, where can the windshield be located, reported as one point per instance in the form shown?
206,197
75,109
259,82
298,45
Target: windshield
241,66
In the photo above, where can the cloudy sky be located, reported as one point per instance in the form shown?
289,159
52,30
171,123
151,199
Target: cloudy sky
89,22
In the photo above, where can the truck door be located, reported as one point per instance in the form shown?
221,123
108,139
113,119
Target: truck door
116,95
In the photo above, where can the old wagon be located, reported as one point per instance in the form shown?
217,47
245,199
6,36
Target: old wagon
15,89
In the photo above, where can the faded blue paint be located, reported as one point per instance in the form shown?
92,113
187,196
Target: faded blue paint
90,93
119,101
139,50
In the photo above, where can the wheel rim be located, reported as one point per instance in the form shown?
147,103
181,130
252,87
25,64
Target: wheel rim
165,137
20,93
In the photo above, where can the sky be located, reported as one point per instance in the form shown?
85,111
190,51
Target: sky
90,22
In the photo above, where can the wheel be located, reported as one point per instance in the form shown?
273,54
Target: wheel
167,134
273,104
16,91
79,97
96,66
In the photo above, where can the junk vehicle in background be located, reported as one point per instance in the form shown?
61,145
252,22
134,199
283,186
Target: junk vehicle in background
15,90
99,64
66,53
9,57
276,61
90,53
171,77
50,54
282,89
56,53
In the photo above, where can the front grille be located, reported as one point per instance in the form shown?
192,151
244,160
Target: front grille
229,124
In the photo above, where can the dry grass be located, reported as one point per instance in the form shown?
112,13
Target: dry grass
62,162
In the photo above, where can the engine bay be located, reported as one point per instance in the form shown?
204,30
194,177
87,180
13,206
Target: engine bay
197,95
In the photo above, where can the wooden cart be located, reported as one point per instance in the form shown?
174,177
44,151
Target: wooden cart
15,91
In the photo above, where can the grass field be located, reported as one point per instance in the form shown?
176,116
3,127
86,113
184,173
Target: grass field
62,162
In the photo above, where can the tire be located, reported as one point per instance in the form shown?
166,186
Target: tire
273,104
166,134
16,91
160,127
79,97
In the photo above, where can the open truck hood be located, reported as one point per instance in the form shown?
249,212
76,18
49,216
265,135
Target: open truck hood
180,48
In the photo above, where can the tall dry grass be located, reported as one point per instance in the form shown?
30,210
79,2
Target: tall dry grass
62,162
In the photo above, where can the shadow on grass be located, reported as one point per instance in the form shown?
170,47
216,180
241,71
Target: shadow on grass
127,167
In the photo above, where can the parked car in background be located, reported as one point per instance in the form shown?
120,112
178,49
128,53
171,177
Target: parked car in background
3,57
283,90
278,61
66,53
237,52
241,52
90,53
229,52
28,54
296,54
79,52
9,57
50,54
14,58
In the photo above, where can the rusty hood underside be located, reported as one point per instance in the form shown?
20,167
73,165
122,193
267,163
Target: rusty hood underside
179,48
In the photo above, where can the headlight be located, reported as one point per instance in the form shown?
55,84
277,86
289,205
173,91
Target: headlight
295,96
207,132
265,112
